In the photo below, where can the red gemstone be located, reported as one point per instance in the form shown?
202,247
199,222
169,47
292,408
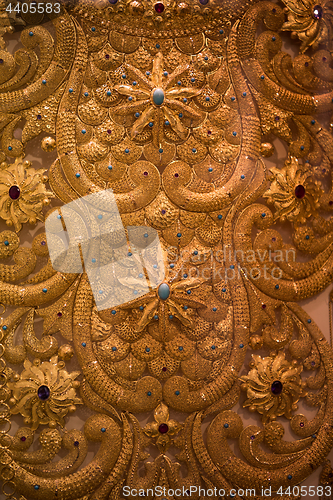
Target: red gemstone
59,314
14,192
209,132
23,438
43,392
263,306
159,7
301,424
107,56
330,203
300,191
176,175
163,428
276,387
145,174
164,369
109,131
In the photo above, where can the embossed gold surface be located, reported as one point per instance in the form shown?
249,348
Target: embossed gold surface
174,106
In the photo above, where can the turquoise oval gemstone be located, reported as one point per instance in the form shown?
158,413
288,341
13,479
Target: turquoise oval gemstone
163,291
158,97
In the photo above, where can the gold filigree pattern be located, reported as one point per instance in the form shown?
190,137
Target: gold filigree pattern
178,108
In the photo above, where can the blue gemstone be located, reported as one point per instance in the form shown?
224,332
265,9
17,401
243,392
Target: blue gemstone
158,97
113,311
103,429
147,349
219,216
164,291
43,392
177,393
114,349
226,426
6,242
149,393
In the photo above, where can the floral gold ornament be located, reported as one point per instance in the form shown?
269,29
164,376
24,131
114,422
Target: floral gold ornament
45,393
311,21
162,428
294,192
178,107
22,193
273,386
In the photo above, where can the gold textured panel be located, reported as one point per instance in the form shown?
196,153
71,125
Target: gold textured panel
177,106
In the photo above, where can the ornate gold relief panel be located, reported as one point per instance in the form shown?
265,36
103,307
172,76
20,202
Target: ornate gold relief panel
176,108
